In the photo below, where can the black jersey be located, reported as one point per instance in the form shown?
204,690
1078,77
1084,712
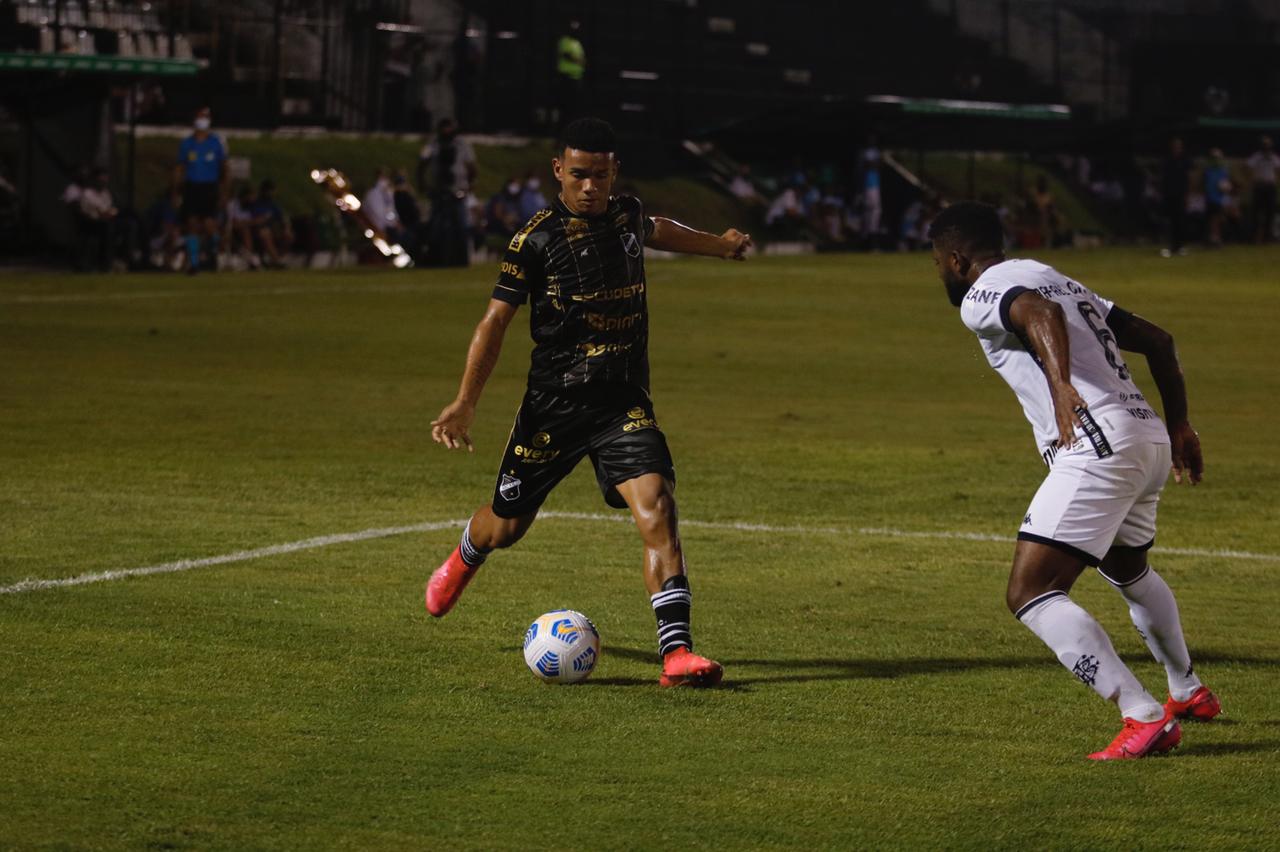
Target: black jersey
583,277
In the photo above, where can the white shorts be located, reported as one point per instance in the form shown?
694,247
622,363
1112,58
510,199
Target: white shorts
1087,505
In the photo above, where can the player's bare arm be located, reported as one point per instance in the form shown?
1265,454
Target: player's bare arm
1135,334
1042,323
452,428
670,235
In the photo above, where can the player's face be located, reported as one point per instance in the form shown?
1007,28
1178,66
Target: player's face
951,267
586,180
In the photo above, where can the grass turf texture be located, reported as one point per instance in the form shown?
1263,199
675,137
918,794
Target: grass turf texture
877,692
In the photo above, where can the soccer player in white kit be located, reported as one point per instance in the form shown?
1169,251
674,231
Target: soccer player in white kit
1058,345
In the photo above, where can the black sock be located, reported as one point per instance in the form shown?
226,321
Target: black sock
671,606
471,555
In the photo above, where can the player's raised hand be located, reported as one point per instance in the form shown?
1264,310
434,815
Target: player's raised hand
738,244
452,428
1184,447
1066,403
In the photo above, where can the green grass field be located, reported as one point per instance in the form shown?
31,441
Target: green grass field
877,693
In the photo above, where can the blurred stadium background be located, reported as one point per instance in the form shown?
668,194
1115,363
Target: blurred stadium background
776,116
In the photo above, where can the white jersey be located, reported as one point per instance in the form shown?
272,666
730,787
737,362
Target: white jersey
1118,414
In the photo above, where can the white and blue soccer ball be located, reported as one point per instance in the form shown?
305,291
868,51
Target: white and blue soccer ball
562,646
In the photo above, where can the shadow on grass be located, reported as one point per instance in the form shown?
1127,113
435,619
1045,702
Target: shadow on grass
870,668
1215,749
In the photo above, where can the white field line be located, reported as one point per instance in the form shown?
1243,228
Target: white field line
238,556
432,526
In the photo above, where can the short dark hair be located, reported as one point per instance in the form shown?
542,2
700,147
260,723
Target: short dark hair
589,134
968,226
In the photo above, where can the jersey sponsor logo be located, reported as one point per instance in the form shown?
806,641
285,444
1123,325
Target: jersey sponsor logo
1142,414
529,455
630,244
609,295
591,350
576,229
517,242
509,488
600,322
541,439
513,269
640,423
636,413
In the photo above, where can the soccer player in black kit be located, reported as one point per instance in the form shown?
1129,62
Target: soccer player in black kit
580,266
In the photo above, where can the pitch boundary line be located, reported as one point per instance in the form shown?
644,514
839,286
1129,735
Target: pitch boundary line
33,585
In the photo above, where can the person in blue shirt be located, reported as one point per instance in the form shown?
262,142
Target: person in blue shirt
201,171
270,225
1217,194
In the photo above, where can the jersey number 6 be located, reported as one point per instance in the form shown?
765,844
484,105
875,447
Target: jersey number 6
1106,339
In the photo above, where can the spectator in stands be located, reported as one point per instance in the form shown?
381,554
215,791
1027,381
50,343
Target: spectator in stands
271,229
1217,194
379,205
531,198
163,222
239,216
1175,185
571,67
503,211
413,228
452,165
871,208
201,174
787,211
70,199
99,212
1262,167
743,189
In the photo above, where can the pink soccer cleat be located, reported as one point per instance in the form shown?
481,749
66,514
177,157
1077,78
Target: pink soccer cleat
1202,706
446,584
682,667
1142,739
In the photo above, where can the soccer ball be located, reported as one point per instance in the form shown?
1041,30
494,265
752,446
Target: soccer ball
561,646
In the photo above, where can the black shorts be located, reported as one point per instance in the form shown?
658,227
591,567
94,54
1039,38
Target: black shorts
614,426
199,201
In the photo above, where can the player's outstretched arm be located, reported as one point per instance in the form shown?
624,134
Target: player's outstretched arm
670,235
1135,334
453,427
1042,323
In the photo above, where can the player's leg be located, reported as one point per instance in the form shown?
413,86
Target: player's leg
548,438
1073,516
484,533
651,499
1152,606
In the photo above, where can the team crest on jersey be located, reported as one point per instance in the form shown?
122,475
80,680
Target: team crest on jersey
509,488
630,244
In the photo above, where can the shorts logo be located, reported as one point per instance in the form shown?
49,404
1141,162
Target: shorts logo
509,488
636,413
630,244
541,439
1086,668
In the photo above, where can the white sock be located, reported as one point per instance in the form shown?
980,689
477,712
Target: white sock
1082,646
1155,614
